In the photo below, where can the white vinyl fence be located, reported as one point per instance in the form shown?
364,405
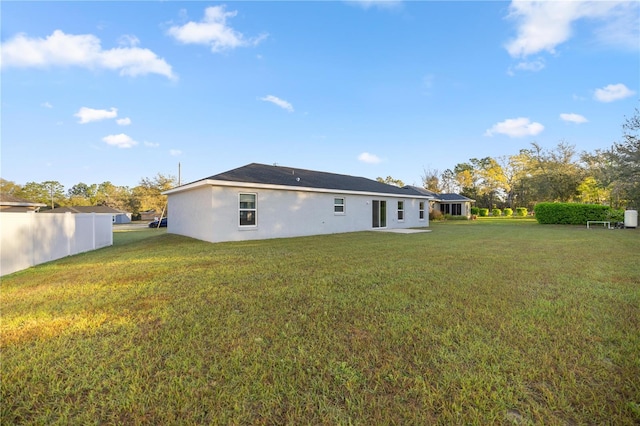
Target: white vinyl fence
28,239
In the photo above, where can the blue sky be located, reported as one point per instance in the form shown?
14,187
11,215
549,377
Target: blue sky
117,91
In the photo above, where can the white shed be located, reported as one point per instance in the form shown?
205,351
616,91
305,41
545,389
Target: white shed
259,201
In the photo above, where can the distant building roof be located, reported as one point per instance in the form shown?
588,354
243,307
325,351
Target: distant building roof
447,197
12,200
85,209
453,197
11,203
294,177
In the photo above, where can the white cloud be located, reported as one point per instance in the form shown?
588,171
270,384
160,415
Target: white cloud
123,121
175,152
533,66
151,144
121,141
129,40
382,4
515,127
87,115
279,102
543,25
62,50
213,31
46,105
623,27
365,157
573,118
613,92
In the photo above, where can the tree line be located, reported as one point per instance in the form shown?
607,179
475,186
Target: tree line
536,174
143,197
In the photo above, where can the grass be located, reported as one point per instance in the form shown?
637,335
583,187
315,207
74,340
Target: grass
483,322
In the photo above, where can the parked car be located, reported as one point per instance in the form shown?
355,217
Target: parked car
163,223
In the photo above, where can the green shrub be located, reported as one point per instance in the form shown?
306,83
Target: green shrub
616,215
496,212
483,212
436,215
475,210
508,212
521,211
570,213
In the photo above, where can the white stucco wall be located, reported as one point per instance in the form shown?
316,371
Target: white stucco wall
210,213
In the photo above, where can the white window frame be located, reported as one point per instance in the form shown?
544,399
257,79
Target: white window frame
254,210
343,206
421,205
400,211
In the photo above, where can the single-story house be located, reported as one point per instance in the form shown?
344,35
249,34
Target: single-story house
259,201
117,216
12,204
449,203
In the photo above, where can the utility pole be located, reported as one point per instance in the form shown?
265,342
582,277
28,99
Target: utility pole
179,169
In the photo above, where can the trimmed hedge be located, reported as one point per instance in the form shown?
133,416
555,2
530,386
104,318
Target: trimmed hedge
483,212
521,211
475,210
496,212
508,212
570,213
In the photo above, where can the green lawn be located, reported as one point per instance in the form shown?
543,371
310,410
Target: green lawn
483,322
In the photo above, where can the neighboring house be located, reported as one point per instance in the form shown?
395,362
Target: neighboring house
453,204
12,204
259,201
117,216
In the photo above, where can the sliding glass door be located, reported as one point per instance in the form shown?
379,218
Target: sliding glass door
379,213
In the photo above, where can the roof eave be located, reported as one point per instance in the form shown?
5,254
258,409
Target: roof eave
253,185
20,204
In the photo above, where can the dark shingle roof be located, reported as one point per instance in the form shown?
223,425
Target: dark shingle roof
84,209
440,197
422,191
290,176
12,200
453,197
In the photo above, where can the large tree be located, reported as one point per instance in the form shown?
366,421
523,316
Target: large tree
483,180
431,180
391,181
148,194
50,192
520,172
555,174
118,197
600,184
492,184
448,182
82,194
9,187
467,179
626,156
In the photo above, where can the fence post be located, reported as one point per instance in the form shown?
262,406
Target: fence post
68,218
32,240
